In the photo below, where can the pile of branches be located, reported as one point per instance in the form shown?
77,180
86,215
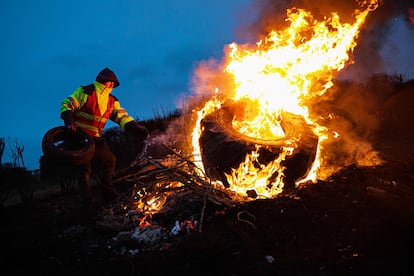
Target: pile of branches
148,178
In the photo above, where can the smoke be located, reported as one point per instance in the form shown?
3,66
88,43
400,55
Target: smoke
272,12
352,114
351,108
367,58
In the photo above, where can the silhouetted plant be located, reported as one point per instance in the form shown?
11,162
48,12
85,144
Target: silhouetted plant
16,179
17,154
6,182
2,148
27,187
53,171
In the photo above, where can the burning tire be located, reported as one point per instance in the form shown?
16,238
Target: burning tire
73,148
223,148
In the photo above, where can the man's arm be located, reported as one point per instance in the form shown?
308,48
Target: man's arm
69,106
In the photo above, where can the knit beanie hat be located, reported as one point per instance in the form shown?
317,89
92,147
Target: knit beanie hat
107,75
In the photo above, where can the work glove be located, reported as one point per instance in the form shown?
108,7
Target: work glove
67,117
136,130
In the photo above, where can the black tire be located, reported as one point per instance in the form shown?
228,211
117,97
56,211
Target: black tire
72,148
223,148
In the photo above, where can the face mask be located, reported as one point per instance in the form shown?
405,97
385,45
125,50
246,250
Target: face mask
102,89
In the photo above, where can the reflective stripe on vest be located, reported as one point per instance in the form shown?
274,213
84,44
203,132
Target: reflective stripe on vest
89,117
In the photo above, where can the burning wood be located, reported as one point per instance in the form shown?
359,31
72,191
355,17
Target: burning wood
173,174
151,186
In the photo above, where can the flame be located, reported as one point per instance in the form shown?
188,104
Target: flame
248,177
149,203
208,108
283,72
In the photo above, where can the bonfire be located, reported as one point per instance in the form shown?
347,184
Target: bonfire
254,129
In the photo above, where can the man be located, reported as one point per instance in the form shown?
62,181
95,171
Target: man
88,109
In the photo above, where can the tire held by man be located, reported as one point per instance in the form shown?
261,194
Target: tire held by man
71,148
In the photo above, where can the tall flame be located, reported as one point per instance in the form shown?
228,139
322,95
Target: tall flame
284,71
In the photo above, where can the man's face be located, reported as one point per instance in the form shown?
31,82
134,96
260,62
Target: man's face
109,84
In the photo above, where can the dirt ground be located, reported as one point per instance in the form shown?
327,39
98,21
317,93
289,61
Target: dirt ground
359,222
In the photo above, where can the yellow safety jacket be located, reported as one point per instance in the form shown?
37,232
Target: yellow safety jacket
87,114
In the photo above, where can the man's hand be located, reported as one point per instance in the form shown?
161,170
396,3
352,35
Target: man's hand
70,126
67,117
136,130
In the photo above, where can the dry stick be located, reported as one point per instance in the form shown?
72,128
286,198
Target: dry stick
205,196
245,220
193,181
206,191
133,176
201,190
188,161
204,184
150,185
203,210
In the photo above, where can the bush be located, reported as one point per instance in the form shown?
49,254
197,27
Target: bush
16,179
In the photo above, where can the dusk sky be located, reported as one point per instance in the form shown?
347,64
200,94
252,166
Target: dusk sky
49,48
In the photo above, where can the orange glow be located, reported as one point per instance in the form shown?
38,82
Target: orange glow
283,72
150,203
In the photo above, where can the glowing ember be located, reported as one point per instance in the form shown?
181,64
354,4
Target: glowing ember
149,203
283,72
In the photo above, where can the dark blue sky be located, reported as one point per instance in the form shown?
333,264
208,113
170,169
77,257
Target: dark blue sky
49,48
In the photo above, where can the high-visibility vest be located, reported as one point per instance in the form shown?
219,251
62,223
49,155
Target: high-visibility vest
89,118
